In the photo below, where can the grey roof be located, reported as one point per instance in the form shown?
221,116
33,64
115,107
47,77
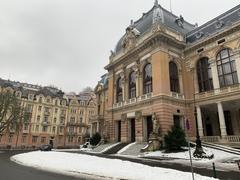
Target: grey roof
166,18
104,80
215,25
27,89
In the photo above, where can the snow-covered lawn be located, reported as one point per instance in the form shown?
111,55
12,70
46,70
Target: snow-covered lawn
218,155
223,161
79,164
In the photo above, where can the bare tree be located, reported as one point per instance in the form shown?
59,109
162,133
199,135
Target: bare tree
12,114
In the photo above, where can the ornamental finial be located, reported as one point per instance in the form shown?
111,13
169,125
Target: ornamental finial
156,3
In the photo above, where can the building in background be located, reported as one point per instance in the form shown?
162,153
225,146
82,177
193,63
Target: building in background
165,67
55,116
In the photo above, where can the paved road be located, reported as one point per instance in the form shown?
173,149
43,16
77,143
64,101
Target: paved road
12,171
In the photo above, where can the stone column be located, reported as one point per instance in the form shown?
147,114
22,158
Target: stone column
221,119
91,130
214,71
199,121
98,126
123,86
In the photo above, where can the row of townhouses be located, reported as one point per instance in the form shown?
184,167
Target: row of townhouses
54,116
177,72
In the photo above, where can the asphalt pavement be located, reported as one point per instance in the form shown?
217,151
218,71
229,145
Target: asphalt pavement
12,171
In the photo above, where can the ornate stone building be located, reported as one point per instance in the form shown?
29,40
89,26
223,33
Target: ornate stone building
165,66
55,116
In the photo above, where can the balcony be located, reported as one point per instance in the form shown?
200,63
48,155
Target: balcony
71,133
133,100
220,91
46,113
45,123
76,124
62,124
177,95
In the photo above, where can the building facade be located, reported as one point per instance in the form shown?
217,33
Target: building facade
54,116
165,67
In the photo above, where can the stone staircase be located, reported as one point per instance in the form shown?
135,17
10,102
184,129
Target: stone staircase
133,149
222,148
102,147
115,149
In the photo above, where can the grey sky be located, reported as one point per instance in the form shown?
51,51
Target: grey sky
66,43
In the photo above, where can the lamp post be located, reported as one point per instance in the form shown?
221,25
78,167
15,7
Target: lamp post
199,153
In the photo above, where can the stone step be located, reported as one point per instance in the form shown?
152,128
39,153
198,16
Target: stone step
222,148
102,147
115,149
133,149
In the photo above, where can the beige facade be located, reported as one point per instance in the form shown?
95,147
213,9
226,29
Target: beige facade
172,78
55,116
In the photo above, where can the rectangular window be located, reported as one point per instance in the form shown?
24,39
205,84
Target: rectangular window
37,128
61,129
34,139
24,139
44,128
39,108
56,110
10,138
54,130
43,139
71,129
38,118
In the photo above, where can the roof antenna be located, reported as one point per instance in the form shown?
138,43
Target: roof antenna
171,6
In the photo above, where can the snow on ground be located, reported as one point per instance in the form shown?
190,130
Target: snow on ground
223,161
218,155
125,148
79,164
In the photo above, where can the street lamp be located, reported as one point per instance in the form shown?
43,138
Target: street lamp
199,153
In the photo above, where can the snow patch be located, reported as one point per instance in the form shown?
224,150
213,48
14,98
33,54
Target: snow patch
109,147
78,164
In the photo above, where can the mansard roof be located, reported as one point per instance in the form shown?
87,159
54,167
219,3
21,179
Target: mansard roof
165,18
215,25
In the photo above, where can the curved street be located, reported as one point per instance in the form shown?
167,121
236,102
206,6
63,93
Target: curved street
13,171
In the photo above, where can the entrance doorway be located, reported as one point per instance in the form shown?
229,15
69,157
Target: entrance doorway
149,126
133,134
228,122
119,131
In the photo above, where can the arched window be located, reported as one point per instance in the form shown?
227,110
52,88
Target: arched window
147,79
132,85
174,80
119,90
227,71
205,82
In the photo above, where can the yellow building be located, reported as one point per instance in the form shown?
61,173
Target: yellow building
55,116
165,67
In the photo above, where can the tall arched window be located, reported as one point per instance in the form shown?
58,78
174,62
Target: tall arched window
147,79
119,90
132,85
174,80
205,82
227,71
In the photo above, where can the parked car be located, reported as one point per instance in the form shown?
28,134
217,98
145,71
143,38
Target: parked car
46,147
85,145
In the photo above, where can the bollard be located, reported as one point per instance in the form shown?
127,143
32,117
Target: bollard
214,171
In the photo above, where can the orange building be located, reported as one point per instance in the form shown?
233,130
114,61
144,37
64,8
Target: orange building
166,67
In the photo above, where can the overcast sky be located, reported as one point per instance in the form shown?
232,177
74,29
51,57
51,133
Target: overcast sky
67,43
